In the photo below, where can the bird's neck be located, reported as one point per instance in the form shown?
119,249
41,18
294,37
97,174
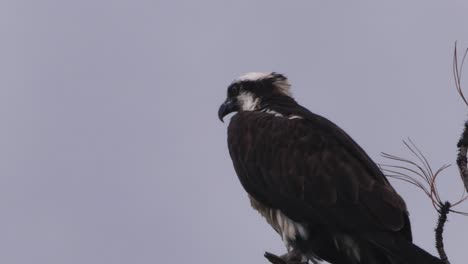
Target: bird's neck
284,105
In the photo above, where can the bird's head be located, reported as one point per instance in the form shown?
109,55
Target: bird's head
247,92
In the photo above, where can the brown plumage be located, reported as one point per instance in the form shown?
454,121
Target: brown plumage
316,186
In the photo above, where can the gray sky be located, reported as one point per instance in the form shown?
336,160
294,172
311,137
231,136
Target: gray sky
110,147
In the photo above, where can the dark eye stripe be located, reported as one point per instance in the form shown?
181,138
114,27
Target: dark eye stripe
233,90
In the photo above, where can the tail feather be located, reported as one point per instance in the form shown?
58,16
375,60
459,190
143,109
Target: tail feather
401,251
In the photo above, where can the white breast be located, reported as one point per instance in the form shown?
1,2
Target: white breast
287,228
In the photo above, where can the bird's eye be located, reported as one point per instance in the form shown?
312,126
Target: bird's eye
234,90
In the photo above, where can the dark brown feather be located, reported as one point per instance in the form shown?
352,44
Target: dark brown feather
314,172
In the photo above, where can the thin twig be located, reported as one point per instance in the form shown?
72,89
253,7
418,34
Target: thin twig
422,170
457,72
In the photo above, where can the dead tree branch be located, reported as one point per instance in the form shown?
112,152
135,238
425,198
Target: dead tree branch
461,157
463,142
440,230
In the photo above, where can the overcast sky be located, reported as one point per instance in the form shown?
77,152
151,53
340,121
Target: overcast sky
110,146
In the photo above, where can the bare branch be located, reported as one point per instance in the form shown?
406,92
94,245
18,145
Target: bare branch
463,141
440,230
461,157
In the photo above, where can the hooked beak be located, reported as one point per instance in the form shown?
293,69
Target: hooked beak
229,106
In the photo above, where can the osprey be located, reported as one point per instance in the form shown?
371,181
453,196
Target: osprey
312,182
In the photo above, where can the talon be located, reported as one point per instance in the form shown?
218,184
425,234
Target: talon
293,257
274,259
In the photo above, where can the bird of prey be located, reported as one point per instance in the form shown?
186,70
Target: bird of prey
312,182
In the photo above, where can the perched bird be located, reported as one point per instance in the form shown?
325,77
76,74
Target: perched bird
312,182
